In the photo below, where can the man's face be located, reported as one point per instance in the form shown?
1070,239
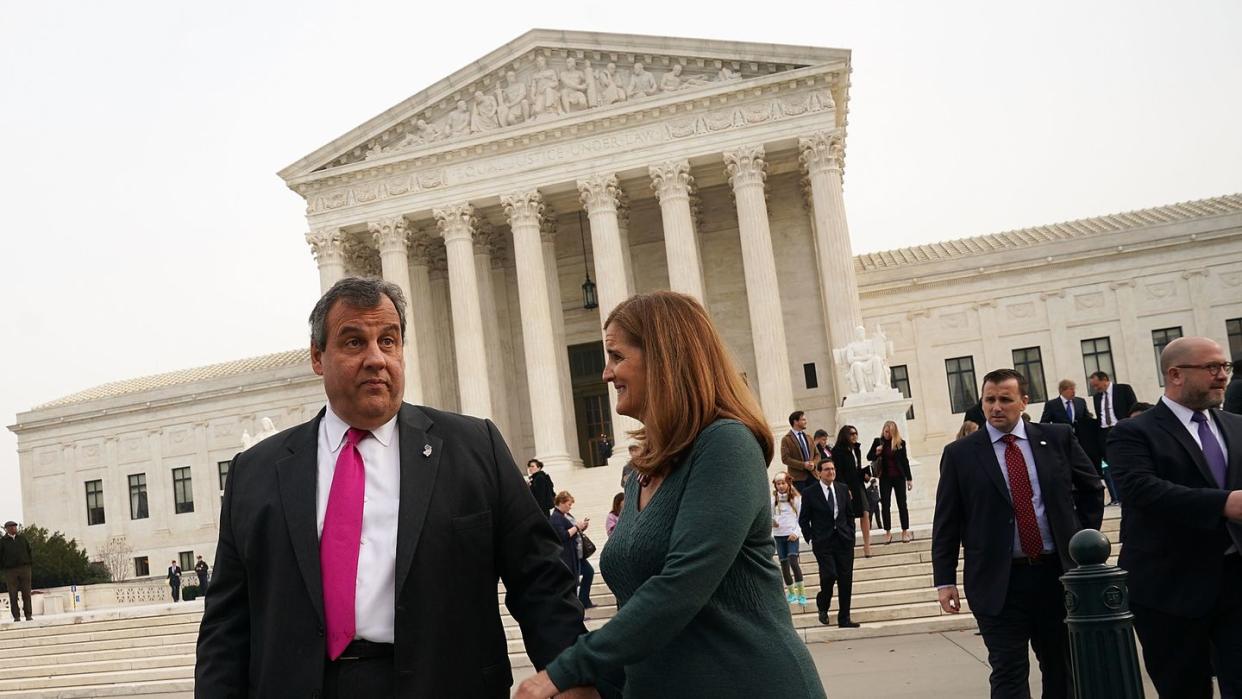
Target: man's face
1069,393
800,423
11,531
362,366
1199,389
827,473
1097,385
1003,404
531,468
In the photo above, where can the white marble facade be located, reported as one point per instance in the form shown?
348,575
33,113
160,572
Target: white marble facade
715,170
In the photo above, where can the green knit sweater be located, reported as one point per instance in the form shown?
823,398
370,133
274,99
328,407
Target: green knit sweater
700,606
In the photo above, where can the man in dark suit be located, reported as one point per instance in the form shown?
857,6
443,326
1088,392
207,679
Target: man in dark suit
1233,395
174,580
359,552
1013,494
798,452
1179,467
1068,409
1113,403
826,522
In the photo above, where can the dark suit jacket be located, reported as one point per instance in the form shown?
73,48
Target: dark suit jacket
823,527
1176,533
975,414
899,456
466,518
1086,426
974,510
1233,394
174,576
1123,402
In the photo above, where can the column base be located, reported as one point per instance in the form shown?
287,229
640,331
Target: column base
559,463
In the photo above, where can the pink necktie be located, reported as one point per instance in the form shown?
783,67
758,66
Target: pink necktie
338,546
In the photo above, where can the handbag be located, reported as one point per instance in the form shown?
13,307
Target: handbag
588,546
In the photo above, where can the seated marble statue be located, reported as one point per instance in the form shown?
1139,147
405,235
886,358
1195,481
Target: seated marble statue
459,119
267,429
642,83
574,88
609,91
514,101
485,115
726,74
545,96
865,361
672,81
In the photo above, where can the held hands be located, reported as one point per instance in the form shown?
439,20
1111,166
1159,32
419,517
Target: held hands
793,537
949,601
540,687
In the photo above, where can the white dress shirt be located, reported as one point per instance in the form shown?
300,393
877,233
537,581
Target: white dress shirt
830,494
1024,445
1108,417
375,593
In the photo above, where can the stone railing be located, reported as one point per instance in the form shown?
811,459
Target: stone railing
140,591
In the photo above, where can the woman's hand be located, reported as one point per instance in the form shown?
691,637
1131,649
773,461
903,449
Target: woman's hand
586,522
793,537
909,485
538,687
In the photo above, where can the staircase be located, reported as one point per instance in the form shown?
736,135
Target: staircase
148,652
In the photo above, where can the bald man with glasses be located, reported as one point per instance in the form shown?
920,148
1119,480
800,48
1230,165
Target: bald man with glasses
1179,469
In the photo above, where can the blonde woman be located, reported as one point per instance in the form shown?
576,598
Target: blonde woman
967,428
888,452
785,504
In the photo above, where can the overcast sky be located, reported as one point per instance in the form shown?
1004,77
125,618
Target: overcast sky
144,228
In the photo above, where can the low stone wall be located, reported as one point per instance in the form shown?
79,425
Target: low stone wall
141,591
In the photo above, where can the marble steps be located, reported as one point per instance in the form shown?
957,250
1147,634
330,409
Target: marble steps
168,657
150,689
77,655
116,673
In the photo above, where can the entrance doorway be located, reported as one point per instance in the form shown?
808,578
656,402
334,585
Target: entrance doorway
592,413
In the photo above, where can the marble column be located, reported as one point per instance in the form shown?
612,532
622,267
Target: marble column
820,154
747,172
1197,282
328,247
422,315
391,236
547,233
1131,344
598,194
484,247
442,305
457,227
623,231
672,182
543,356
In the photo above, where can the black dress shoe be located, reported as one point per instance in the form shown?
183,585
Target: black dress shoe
823,618
847,624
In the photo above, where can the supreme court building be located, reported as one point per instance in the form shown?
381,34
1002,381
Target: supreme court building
519,199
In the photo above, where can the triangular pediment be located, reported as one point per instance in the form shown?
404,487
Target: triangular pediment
546,77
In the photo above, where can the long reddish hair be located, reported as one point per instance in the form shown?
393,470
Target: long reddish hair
692,379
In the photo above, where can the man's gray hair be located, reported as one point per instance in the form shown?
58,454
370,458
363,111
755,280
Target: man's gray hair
359,293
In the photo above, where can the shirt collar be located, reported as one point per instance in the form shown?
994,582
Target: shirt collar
1184,414
1019,431
337,428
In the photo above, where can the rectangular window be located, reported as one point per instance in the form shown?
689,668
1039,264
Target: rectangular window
94,502
808,372
1097,355
142,567
138,496
1233,328
1030,363
963,391
899,378
223,468
186,561
183,492
1160,338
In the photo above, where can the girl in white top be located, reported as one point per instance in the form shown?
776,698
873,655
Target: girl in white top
785,531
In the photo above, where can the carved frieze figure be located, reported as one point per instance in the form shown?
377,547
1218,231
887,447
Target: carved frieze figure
642,83
459,119
609,91
267,429
514,101
576,87
544,90
726,74
426,133
865,361
672,80
485,114
374,150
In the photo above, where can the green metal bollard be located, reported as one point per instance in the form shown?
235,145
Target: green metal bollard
1101,627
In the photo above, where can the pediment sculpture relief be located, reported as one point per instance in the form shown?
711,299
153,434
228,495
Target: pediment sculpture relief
539,91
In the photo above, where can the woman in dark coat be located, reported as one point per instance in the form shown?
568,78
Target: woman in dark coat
570,532
895,478
847,455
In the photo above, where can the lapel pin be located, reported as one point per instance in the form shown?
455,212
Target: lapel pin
426,450
1042,443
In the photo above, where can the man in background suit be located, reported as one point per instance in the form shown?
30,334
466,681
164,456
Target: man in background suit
1233,395
798,452
174,580
1179,466
1113,403
359,552
1068,409
827,523
1013,493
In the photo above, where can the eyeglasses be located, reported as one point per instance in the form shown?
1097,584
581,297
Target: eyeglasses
1214,369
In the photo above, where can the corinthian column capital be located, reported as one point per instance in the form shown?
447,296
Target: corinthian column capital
486,239
420,243
523,208
671,179
327,245
456,222
599,193
746,166
822,150
390,234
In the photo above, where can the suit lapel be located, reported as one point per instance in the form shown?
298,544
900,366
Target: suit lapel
1233,441
986,456
1043,453
1169,422
298,474
418,479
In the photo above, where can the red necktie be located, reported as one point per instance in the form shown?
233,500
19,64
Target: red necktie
338,546
1023,499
